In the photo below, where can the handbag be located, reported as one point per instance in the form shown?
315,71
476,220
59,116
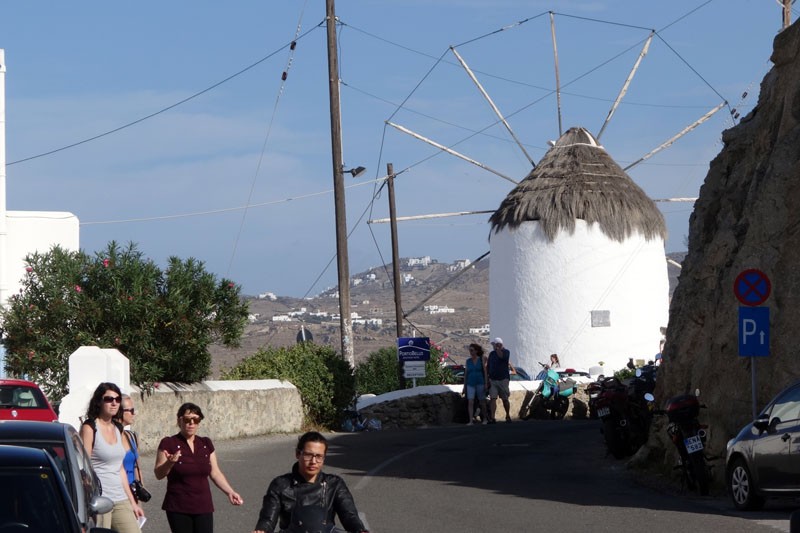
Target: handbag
140,493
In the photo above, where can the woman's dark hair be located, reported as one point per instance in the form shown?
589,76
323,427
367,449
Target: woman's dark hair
95,404
478,349
192,408
311,436
555,356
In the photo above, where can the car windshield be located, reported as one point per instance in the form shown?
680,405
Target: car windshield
29,499
21,397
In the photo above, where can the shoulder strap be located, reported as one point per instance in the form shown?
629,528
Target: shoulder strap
92,423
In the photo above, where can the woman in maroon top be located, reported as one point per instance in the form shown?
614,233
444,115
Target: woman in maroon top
187,460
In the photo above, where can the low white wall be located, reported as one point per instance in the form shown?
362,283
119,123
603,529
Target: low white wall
232,409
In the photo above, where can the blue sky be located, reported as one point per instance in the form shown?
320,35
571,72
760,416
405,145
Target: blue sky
76,70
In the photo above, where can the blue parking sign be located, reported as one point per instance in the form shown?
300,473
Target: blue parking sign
753,331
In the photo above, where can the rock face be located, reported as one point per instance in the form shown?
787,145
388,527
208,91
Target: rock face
746,217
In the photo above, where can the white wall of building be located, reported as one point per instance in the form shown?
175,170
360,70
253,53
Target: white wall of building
28,232
36,231
542,293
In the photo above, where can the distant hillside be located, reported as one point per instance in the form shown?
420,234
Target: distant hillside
372,297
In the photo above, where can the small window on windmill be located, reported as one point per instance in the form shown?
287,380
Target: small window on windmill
601,319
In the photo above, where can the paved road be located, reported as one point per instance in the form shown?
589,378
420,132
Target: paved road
520,477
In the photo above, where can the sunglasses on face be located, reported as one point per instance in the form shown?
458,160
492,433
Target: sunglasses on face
132,410
190,420
111,399
312,457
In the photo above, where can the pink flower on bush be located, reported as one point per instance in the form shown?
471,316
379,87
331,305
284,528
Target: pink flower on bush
78,288
106,262
156,384
231,285
28,269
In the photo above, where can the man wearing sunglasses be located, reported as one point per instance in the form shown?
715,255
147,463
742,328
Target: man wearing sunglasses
322,495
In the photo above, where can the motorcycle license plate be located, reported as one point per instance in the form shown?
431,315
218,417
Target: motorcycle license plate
693,444
603,412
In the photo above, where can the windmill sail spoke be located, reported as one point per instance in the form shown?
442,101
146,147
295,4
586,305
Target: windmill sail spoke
558,76
425,217
492,104
627,83
450,151
683,132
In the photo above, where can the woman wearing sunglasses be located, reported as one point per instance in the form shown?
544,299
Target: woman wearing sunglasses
101,433
187,460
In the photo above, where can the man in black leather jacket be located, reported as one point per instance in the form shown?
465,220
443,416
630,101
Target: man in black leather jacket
308,486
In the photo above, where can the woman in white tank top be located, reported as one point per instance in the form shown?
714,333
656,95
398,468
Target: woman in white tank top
102,439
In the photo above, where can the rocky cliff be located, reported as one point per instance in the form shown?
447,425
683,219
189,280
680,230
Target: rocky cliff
746,217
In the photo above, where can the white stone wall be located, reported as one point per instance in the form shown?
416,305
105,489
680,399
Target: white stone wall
541,295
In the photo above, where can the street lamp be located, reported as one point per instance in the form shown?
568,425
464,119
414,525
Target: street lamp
355,172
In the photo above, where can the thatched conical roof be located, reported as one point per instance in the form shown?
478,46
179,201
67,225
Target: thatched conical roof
577,179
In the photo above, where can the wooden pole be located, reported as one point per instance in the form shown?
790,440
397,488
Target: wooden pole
787,13
342,261
398,308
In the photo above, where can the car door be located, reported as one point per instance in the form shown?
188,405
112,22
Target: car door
87,483
776,452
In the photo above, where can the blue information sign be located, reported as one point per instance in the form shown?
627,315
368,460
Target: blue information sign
754,331
413,349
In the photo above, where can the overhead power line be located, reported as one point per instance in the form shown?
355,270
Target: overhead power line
163,110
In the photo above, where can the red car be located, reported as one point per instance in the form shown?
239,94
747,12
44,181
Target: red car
23,400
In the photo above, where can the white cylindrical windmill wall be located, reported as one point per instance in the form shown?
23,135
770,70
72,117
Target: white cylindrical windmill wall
577,264
543,295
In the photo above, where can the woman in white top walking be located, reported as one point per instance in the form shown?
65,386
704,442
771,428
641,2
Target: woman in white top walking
102,439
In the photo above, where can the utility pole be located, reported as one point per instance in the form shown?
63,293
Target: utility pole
398,308
787,13
342,261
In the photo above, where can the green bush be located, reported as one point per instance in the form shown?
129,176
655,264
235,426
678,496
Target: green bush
378,374
164,321
324,379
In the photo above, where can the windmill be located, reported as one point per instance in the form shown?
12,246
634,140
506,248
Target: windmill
577,248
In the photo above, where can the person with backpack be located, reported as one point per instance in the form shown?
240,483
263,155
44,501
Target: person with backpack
101,433
131,443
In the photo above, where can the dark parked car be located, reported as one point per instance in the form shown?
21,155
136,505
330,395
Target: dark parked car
764,458
33,496
65,446
23,400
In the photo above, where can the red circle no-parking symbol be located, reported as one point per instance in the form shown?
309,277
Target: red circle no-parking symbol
752,287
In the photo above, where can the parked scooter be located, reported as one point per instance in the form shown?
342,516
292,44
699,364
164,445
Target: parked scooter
553,393
689,437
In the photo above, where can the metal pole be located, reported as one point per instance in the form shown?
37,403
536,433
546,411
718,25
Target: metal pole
398,308
338,188
753,385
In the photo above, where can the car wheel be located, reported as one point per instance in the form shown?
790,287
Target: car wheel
742,488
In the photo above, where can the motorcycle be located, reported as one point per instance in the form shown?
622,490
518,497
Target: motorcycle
553,393
626,412
689,437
